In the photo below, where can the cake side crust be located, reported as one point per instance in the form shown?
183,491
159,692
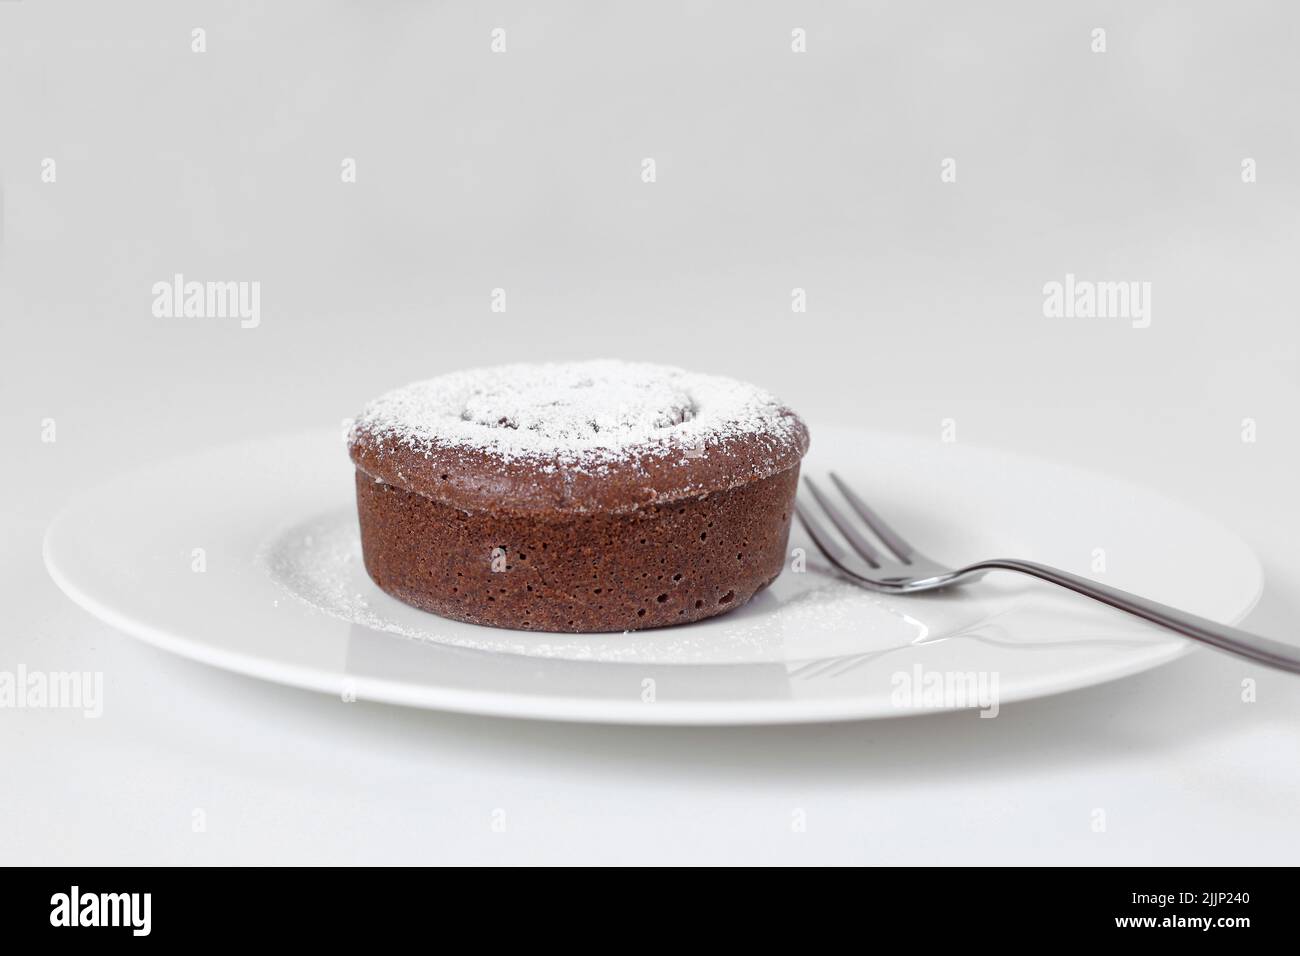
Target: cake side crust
661,564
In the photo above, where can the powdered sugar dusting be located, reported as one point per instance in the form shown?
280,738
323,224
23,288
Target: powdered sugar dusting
575,412
803,617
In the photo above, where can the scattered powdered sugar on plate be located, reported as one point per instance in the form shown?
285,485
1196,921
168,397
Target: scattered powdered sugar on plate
594,411
803,617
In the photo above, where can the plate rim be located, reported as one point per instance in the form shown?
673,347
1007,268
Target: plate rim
569,708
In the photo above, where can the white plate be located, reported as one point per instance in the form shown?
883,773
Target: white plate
247,558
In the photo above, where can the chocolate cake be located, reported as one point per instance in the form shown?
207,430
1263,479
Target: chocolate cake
588,496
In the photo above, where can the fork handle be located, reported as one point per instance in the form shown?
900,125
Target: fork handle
1242,643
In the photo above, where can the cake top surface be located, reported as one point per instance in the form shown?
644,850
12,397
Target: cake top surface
577,412
601,419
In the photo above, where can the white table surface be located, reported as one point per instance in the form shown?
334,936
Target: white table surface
522,172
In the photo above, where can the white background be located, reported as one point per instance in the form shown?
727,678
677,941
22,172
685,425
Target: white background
776,170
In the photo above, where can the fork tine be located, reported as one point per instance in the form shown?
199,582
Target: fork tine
883,531
825,543
851,534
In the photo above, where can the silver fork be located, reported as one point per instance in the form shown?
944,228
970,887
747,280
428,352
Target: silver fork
898,568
